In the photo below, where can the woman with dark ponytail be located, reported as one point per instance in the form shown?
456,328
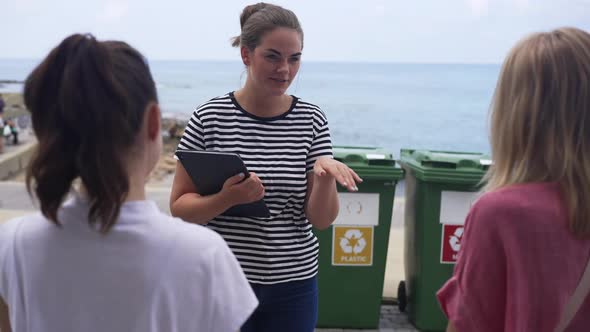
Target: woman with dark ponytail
101,257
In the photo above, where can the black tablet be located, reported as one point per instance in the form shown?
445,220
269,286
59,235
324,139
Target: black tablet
209,170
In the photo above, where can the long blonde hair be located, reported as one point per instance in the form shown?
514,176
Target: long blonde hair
540,119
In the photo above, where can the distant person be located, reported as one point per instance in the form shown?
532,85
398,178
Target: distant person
2,122
527,239
107,259
2,104
285,143
11,131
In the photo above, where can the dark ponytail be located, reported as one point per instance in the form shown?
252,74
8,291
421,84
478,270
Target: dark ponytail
87,99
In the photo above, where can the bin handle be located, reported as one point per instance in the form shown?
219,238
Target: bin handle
438,164
451,165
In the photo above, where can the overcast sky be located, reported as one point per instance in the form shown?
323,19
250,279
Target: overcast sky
431,31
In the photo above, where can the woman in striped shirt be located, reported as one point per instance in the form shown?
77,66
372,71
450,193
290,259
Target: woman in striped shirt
285,144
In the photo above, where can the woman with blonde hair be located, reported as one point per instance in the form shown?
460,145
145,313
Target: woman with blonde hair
527,239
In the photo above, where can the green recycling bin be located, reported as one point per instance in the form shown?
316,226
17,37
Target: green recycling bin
353,250
439,190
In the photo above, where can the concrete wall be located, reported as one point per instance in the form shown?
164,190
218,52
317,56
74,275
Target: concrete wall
16,159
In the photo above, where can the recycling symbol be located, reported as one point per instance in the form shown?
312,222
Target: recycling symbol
455,239
353,242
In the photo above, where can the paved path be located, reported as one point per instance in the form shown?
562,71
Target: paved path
391,321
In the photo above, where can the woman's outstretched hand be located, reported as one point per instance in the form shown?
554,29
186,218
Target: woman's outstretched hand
326,168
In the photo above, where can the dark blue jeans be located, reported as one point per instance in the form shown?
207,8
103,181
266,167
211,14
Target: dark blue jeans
285,307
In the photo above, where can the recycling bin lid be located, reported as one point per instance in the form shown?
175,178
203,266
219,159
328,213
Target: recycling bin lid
369,162
446,166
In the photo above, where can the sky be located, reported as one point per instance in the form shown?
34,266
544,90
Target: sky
419,31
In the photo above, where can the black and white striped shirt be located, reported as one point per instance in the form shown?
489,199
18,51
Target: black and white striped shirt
280,150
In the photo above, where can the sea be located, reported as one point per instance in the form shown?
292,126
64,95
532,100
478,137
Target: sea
440,107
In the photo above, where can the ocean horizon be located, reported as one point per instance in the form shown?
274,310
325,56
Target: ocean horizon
390,105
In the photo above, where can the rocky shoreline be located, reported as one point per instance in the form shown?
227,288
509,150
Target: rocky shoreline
11,82
172,129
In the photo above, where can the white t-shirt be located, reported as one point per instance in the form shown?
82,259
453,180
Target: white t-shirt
151,272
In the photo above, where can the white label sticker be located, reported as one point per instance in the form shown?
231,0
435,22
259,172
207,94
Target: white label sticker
454,206
375,156
358,209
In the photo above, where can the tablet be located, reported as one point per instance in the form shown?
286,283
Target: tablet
209,170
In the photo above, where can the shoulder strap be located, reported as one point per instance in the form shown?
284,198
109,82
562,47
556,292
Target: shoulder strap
575,302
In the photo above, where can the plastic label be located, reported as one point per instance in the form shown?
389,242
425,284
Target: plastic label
358,209
352,245
454,206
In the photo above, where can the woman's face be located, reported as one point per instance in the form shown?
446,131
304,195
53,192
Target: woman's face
274,63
